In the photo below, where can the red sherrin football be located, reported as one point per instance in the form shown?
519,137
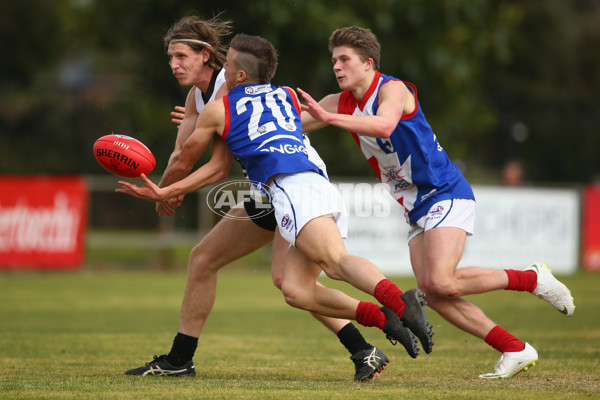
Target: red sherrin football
124,156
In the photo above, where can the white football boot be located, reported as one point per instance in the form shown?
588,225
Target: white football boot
552,290
511,363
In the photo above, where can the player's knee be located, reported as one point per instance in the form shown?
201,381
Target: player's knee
440,287
294,295
277,280
200,263
332,266
332,271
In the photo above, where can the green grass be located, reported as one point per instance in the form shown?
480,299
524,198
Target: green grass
72,335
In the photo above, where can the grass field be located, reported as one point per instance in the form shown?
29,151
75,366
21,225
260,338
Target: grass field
72,335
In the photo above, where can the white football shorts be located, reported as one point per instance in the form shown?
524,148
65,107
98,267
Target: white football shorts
303,196
456,213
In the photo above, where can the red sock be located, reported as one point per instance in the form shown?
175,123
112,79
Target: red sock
503,341
522,281
388,294
369,314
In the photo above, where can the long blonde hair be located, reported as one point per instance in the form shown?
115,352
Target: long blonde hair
207,34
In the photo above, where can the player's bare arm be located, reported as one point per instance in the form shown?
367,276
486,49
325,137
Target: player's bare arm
181,162
209,123
188,123
213,171
312,118
392,99
206,175
185,129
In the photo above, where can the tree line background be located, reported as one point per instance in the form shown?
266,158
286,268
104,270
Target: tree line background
497,79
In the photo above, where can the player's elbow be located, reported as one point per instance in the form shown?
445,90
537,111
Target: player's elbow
385,130
220,174
216,173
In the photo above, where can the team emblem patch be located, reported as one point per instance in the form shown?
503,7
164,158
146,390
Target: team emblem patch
437,211
286,222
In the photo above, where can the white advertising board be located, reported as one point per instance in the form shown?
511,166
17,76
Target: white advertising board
514,227
380,236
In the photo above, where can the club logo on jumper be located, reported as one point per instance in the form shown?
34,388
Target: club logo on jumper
392,173
226,195
287,223
396,177
399,177
257,89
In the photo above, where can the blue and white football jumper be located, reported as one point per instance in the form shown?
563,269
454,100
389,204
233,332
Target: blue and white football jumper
264,131
220,81
411,162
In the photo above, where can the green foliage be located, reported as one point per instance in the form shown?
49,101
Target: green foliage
79,69
550,87
72,336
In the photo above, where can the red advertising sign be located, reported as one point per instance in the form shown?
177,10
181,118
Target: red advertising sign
42,222
591,228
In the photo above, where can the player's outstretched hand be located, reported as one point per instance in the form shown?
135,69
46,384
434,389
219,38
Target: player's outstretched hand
149,191
178,114
312,107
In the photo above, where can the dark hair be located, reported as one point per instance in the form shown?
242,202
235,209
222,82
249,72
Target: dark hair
256,55
360,39
209,31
